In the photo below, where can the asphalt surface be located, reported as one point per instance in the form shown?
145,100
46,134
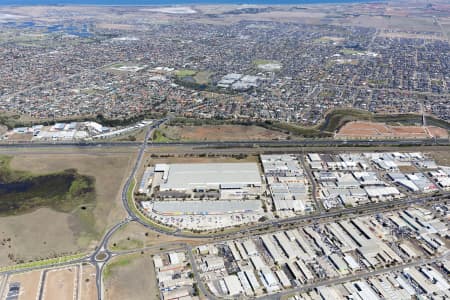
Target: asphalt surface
368,208
361,275
99,261
249,143
102,248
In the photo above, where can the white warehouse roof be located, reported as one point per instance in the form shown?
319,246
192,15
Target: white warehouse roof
210,175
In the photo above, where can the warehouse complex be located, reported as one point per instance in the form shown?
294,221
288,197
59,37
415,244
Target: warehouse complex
283,185
207,176
203,196
279,261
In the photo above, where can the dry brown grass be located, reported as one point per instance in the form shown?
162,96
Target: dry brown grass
188,159
60,284
109,171
135,236
222,133
44,232
87,287
442,157
36,235
131,277
407,169
29,284
374,130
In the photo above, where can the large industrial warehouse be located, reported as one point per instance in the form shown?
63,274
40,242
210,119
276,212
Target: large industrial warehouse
207,176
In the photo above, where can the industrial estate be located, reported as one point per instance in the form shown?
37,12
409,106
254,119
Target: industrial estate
210,195
225,151
399,253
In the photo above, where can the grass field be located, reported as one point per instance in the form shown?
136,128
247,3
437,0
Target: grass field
347,51
121,281
34,236
216,133
43,263
134,236
185,73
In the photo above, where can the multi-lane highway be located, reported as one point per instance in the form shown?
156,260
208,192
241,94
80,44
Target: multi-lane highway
249,143
102,254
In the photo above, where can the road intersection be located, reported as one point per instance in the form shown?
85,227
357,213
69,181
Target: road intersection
102,255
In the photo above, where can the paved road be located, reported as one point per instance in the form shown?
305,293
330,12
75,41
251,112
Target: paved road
312,181
369,208
360,275
102,248
200,283
230,144
99,263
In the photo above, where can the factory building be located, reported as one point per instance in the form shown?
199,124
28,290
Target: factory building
208,176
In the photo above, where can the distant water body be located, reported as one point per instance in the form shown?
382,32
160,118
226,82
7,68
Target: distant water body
172,2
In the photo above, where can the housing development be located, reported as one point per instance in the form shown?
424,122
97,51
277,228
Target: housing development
225,151
225,62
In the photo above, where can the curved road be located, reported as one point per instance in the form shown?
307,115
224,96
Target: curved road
102,255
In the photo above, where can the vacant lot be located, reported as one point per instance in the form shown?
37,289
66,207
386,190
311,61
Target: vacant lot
122,281
381,130
34,235
442,157
219,133
60,284
87,287
29,284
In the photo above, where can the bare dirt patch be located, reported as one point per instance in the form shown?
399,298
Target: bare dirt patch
87,287
122,282
407,35
442,157
60,284
222,133
29,284
197,159
381,130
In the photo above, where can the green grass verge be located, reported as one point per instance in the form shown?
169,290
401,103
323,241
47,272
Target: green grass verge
160,137
259,62
347,51
43,263
119,262
185,72
138,213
